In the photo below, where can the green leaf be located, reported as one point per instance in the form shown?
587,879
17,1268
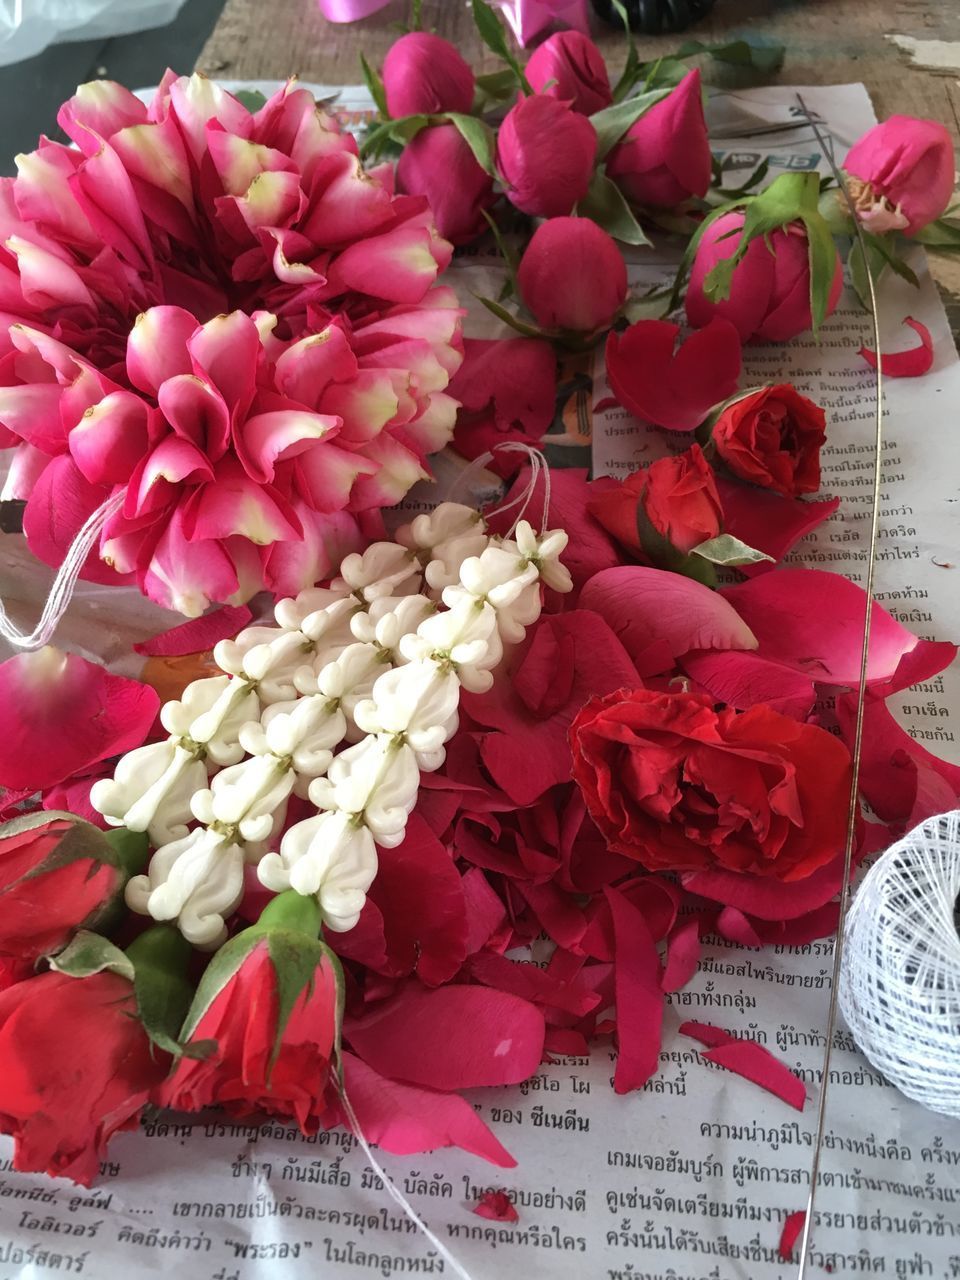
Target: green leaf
507,251
729,551
664,73
631,71
944,234
252,99
399,131
606,205
649,306
375,84
415,17
87,953
498,85
491,32
478,136
613,122
764,58
884,247
520,326
160,957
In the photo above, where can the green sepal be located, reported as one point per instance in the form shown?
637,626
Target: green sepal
606,204
729,552
478,136
613,122
290,927
491,32
88,953
399,131
252,99
374,83
664,555
508,318
653,305
131,848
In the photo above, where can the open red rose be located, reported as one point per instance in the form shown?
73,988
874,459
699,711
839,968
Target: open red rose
56,873
269,1001
681,786
772,438
77,1067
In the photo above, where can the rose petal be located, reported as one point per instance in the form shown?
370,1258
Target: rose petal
454,1037
744,680
683,955
497,1206
905,364
639,996
748,1059
69,715
767,521
405,1120
197,635
792,1229
660,615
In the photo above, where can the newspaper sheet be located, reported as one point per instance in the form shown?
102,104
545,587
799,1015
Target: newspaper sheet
692,1177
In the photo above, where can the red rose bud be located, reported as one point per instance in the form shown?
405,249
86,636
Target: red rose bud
901,174
439,164
270,1000
680,786
664,157
58,873
572,275
769,298
772,437
78,1063
569,66
678,496
424,74
545,155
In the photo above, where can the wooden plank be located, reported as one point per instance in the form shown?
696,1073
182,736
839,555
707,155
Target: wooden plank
828,42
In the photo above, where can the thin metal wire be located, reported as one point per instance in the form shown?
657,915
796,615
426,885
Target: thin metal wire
861,702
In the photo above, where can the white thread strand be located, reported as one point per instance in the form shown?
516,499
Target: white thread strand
538,467
900,982
64,584
392,1191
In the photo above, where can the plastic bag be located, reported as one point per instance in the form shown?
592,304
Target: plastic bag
27,27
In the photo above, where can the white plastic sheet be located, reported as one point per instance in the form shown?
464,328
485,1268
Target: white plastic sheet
27,27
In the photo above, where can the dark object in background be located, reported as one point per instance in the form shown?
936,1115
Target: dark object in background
655,16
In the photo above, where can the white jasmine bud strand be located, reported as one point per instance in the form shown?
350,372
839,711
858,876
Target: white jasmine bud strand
384,569
447,521
418,701
291,613
196,881
212,716
545,552
151,791
329,856
245,797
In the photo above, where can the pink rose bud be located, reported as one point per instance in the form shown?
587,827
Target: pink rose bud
572,275
770,291
545,155
425,74
665,156
439,164
901,174
569,66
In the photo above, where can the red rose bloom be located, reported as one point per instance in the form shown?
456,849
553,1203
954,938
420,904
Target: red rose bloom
772,438
54,876
274,1020
681,786
77,1067
677,496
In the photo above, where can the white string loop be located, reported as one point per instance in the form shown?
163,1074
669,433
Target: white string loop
392,1191
538,467
64,584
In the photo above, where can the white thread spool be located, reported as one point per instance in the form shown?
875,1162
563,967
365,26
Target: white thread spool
900,982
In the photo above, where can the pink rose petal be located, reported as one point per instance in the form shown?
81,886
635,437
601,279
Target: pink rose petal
748,1059
639,997
905,364
659,616
198,635
454,1037
70,714
405,1120
745,680
767,521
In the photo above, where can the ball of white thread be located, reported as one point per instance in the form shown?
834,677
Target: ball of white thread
900,981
